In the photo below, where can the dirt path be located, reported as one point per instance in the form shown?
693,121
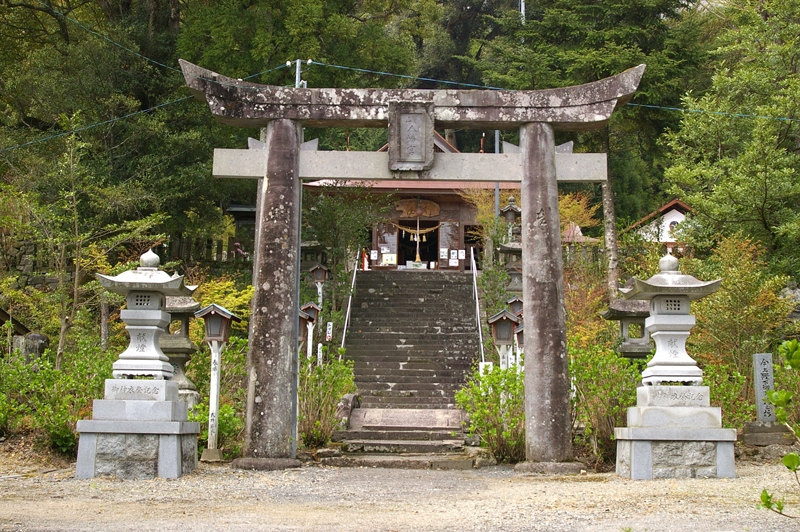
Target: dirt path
35,497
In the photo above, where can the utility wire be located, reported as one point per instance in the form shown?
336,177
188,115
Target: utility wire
111,120
366,71
93,32
716,113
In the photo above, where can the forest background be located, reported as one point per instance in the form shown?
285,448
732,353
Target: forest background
103,153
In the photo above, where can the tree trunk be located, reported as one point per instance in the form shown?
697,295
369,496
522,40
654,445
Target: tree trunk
103,323
610,228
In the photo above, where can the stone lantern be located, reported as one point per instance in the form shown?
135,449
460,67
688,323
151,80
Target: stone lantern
669,293
179,347
673,431
631,314
512,250
140,429
145,290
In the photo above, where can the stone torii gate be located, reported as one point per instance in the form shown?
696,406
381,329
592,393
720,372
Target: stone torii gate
410,116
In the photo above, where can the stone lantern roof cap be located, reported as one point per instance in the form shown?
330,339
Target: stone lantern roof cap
670,281
181,304
147,278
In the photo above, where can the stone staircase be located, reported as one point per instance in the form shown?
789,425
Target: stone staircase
413,339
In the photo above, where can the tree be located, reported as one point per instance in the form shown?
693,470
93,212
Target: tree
746,315
339,217
563,42
736,156
71,230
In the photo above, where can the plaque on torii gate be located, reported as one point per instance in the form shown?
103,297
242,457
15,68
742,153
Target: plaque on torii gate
281,164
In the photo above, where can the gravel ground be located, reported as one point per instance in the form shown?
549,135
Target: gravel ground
354,499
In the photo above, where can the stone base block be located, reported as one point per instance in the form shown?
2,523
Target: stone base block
211,455
135,450
266,464
644,454
763,433
136,410
141,390
675,416
673,396
550,468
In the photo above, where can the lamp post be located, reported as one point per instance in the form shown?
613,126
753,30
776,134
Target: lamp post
503,324
320,274
312,311
519,342
218,329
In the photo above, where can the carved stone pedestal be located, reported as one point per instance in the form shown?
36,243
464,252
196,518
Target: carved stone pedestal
139,431
673,432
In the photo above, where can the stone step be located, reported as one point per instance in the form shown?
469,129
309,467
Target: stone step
368,373
401,378
436,335
405,355
403,446
458,349
409,394
449,461
393,365
407,387
407,435
371,401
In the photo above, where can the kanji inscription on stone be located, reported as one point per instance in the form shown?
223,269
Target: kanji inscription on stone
763,382
410,136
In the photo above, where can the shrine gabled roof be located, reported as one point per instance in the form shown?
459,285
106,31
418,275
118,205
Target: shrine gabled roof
675,204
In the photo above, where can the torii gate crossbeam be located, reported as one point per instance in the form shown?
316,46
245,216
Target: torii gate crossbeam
410,115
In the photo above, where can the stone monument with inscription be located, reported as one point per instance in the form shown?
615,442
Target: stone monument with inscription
673,431
140,429
764,430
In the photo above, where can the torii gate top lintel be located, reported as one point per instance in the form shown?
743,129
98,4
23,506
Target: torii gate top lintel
244,104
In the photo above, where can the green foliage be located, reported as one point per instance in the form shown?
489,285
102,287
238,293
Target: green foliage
233,373
789,350
230,425
38,397
339,218
321,388
569,42
226,292
746,315
495,403
727,387
739,172
605,386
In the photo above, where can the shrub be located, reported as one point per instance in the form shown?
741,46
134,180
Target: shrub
36,396
726,386
495,402
321,387
605,386
229,428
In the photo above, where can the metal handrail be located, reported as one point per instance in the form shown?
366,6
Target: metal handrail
477,301
350,300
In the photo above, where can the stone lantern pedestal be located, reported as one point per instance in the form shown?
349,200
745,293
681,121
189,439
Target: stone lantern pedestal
140,429
673,431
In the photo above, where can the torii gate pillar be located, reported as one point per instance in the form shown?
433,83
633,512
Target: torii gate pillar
408,113
271,396
548,427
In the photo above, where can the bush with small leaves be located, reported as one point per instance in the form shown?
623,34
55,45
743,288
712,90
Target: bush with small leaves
495,402
321,388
